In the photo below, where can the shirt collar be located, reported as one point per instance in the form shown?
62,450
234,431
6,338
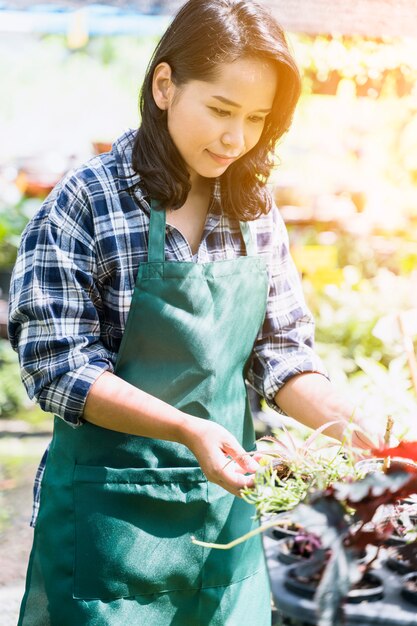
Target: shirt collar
123,151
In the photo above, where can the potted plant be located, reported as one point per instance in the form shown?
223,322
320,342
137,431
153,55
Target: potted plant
291,468
344,516
298,548
351,517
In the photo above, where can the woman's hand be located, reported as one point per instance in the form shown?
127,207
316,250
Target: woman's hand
115,404
219,454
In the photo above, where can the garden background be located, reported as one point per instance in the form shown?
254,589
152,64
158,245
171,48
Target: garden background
346,184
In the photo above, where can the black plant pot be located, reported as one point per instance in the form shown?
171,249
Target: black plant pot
286,554
369,589
282,532
304,589
395,541
409,587
397,564
372,588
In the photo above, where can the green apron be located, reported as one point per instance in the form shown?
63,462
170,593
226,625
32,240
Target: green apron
112,543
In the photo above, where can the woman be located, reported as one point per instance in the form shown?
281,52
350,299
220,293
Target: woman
152,282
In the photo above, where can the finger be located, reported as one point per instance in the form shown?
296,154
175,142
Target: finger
242,458
228,473
236,477
233,490
236,491
239,470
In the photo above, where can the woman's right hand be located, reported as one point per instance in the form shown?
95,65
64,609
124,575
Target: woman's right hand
223,460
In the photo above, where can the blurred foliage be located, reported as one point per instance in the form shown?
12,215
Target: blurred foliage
13,219
12,393
358,338
377,66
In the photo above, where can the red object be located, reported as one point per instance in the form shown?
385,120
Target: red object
404,450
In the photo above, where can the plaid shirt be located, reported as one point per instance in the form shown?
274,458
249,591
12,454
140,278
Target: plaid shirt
75,274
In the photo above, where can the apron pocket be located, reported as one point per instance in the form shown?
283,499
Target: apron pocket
133,530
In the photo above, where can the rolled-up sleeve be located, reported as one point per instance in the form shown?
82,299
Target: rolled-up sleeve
285,344
54,306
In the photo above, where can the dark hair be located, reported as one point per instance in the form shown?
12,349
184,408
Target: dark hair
203,35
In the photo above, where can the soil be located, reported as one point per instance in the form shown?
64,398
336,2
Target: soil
300,549
284,472
282,469
397,562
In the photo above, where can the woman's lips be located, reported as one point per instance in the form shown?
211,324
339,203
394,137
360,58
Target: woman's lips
221,159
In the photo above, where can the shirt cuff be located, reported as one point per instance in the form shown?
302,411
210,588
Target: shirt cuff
276,372
66,396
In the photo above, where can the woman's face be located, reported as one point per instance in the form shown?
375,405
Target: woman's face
214,123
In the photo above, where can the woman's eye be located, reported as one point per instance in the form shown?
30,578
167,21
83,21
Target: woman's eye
256,119
220,112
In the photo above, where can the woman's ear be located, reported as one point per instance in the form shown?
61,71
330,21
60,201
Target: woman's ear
162,86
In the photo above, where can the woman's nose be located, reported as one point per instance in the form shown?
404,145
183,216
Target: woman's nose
234,138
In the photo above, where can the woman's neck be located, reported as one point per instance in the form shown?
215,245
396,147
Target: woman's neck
200,187
190,219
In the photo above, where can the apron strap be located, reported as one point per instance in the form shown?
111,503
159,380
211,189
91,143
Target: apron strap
157,225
